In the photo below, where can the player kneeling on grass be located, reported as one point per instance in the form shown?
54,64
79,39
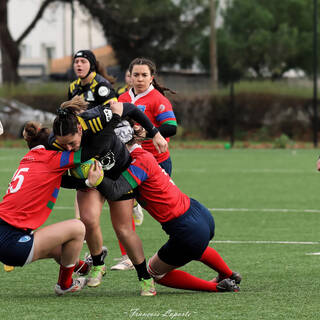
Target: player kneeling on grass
27,204
188,223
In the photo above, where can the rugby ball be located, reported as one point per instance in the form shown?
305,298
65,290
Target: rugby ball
81,171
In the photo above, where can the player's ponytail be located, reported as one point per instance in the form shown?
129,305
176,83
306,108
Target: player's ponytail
103,72
35,135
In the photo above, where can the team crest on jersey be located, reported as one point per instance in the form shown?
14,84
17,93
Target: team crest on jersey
24,239
103,91
90,96
161,108
108,114
141,107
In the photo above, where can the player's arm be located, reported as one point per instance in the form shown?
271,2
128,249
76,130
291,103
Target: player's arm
167,130
95,119
131,111
166,118
70,182
98,141
114,189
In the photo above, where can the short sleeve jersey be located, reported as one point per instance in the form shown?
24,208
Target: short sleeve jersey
157,193
98,92
35,185
158,109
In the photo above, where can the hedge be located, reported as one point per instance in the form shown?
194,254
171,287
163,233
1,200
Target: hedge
254,116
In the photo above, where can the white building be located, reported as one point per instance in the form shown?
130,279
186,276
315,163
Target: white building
52,36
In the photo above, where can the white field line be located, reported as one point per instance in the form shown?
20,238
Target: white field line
250,241
264,242
237,209
266,170
264,210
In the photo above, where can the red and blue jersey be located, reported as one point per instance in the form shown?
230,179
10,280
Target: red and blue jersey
35,186
158,109
157,193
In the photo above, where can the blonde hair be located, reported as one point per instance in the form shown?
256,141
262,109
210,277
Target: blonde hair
77,104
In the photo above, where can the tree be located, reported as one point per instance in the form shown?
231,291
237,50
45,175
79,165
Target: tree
167,31
267,37
10,51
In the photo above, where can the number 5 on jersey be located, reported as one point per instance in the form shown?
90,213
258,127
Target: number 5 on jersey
17,176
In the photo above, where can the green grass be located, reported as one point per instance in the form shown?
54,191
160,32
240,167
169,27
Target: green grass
36,88
279,280
296,87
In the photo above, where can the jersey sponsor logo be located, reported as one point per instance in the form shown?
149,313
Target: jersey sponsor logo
103,91
141,107
108,114
90,96
161,108
107,161
24,239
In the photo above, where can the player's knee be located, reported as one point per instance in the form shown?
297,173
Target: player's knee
123,231
90,222
153,271
79,227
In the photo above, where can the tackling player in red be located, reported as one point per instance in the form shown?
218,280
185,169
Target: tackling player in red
28,202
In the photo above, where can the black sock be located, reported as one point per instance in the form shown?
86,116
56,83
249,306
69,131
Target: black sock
97,260
142,270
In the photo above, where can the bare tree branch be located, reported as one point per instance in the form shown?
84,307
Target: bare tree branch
37,17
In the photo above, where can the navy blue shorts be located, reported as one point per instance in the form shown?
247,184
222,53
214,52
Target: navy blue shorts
166,165
189,235
16,245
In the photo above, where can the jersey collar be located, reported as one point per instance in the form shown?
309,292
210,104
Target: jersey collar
40,146
140,95
133,147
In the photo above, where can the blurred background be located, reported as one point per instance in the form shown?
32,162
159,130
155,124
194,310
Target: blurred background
245,71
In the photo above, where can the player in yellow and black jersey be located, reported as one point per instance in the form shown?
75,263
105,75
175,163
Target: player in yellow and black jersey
94,85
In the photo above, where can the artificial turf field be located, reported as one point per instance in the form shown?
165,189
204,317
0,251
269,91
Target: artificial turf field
266,207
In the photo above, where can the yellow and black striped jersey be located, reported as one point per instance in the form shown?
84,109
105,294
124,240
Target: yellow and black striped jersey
98,92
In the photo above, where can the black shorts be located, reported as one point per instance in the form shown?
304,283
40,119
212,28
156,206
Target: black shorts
16,245
189,235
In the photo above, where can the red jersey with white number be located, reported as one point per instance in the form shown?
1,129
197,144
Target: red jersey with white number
159,111
157,193
34,187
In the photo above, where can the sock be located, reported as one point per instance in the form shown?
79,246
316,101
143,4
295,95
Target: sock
182,280
212,258
65,276
122,249
133,225
142,270
97,260
81,265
